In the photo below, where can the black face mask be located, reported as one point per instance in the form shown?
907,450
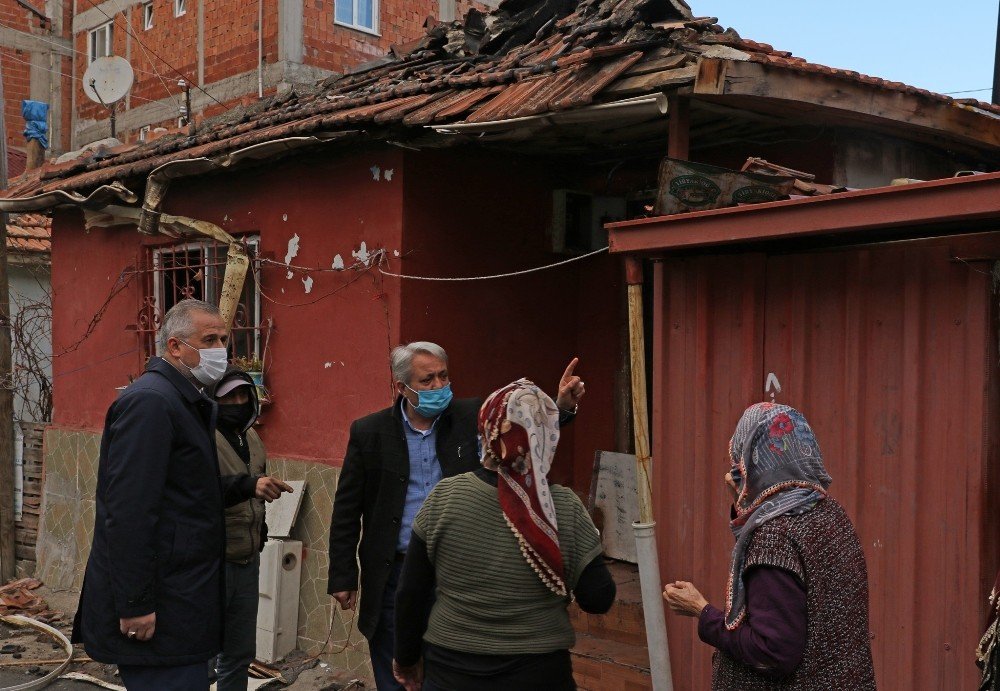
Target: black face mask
235,416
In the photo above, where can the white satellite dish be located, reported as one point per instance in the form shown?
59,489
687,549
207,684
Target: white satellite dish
108,79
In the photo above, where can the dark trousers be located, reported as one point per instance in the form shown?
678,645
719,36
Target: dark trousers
178,678
381,644
240,640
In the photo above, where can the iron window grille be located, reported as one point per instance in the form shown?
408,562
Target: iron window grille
101,42
357,14
197,270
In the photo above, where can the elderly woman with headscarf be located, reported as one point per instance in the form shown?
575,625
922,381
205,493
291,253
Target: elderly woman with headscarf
505,553
796,613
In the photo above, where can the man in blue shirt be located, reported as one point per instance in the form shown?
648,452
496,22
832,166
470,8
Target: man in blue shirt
394,459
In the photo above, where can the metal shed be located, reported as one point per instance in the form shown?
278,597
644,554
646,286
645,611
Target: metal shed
878,312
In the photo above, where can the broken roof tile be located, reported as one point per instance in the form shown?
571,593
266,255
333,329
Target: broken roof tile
525,58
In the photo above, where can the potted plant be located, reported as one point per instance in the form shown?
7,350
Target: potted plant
254,366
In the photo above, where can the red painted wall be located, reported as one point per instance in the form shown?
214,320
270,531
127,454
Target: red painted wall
498,330
327,359
346,320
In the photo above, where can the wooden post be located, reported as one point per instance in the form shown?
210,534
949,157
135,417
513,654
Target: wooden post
640,417
7,554
36,155
679,127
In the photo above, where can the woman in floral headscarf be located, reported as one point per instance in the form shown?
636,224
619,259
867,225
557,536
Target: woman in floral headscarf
506,553
796,614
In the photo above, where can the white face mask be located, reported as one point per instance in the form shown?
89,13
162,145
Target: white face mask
211,366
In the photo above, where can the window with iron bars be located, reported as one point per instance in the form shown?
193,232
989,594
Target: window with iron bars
197,270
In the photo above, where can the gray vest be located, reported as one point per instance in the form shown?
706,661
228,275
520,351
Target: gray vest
245,521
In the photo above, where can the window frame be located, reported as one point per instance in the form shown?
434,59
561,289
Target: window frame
180,8
147,16
373,30
204,248
109,41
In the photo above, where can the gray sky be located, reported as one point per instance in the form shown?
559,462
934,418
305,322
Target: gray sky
941,46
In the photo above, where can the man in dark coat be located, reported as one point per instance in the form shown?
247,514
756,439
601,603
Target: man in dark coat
394,459
152,591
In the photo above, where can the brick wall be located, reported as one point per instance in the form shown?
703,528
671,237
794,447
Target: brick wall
17,71
334,47
230,48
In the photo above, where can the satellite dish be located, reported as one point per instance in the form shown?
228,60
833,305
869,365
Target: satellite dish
108,79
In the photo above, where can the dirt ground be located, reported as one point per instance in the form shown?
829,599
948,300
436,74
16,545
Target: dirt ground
25,651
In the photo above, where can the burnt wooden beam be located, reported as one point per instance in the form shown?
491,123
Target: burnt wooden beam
815,94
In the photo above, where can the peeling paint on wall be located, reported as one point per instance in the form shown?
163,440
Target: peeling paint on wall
293,250
362,254
338,263
327,365
284,217
308,283
376,173
388,174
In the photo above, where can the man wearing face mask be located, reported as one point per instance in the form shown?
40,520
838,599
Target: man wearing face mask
243,460
153,588
394,459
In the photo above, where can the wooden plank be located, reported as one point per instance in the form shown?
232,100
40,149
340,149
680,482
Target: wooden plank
849,100
658,65
649,83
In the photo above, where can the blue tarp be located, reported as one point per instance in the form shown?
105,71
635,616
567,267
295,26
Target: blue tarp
36,118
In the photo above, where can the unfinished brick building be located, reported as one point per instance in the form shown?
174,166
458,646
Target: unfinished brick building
229,53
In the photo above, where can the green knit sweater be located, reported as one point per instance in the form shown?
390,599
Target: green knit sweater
489,600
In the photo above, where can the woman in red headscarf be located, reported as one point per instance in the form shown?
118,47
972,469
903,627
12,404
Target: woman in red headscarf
505,553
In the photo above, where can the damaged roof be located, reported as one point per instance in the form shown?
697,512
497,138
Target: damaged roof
526,58
29,233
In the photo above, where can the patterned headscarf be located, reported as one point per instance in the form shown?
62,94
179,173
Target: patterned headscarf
519,425
778,470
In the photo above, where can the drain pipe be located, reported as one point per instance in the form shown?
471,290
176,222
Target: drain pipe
149,221
645,527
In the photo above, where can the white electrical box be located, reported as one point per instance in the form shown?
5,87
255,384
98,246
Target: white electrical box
278,606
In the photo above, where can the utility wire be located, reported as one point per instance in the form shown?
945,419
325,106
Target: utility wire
967,91
158,76
158,56
492,276
41,37
64,74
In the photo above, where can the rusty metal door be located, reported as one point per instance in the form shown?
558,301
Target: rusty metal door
890,352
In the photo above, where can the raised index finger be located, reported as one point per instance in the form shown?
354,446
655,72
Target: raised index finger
569,368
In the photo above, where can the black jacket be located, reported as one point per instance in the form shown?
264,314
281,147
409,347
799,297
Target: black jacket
372,491
158,534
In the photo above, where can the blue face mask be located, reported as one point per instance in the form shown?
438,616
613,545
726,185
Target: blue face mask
432,402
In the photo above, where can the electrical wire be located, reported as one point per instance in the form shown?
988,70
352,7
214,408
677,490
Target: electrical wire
41,37
152,66
64,74
492,276
158,56
967,91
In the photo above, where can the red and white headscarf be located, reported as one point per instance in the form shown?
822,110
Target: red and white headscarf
519,425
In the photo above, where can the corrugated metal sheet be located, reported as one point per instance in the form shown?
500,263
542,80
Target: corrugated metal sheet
887,349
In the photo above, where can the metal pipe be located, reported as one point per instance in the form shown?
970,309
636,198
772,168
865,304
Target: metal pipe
996,69
652,606
260,48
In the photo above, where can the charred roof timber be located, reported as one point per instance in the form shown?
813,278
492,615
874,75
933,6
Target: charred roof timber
523,70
